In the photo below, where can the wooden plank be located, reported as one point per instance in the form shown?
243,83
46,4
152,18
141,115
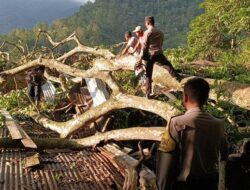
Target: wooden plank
31,161
29,143
16,131
11,125
26,140
147,178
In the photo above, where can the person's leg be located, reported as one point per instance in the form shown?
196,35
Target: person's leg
37,91
149,71
30,90
166,64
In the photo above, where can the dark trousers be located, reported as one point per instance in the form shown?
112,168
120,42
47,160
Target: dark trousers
34,91
161,59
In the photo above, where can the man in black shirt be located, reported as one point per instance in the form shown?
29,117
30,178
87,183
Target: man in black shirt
34,79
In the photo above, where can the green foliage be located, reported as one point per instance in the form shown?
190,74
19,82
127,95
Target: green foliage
127,80
14,100
177,55
230,72
229,67
104,22
239,115
223,30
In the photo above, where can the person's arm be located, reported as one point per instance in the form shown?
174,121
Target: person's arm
125,50
168,158
137,46
129,44
145,45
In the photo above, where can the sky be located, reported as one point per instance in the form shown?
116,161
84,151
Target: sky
82,1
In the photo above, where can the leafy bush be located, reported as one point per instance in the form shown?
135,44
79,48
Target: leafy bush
127,80
14,100
229,66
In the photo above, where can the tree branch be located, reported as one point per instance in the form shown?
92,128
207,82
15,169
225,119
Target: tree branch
54,64
135,133
120,101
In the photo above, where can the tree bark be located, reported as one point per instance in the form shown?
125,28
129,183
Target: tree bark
120,101
235,92
135,133
225,90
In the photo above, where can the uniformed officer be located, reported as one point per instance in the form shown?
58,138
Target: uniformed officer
152,52
190,149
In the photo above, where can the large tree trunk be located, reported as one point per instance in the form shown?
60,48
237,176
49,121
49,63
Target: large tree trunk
136,133
232,91
235,92
120,101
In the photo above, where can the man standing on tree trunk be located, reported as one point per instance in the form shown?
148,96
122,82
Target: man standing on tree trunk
192,145
152,52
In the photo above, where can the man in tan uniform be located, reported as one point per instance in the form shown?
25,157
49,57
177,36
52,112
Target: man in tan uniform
152,52
190,149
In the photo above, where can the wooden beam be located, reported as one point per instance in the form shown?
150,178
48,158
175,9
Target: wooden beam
16,131
126,164
11,125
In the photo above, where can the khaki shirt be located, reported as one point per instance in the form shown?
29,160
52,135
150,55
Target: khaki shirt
200,140
153,41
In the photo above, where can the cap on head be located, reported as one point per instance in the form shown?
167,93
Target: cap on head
137,29
150,20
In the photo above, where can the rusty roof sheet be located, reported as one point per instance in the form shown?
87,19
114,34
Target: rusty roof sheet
81,170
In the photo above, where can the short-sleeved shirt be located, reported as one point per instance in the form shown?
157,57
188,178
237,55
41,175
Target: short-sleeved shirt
199,138
132,43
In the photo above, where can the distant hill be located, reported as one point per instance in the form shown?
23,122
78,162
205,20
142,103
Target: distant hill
26,13
105,21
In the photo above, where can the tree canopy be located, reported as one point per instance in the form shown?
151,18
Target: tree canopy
222,31
105,21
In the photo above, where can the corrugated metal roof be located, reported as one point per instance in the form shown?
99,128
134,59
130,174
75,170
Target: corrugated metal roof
70,170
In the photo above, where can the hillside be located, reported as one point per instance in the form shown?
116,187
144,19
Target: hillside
105,21
26,13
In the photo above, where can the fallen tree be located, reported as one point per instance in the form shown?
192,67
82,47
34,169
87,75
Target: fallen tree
230,91
115,102
234,92
138,133
103,65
